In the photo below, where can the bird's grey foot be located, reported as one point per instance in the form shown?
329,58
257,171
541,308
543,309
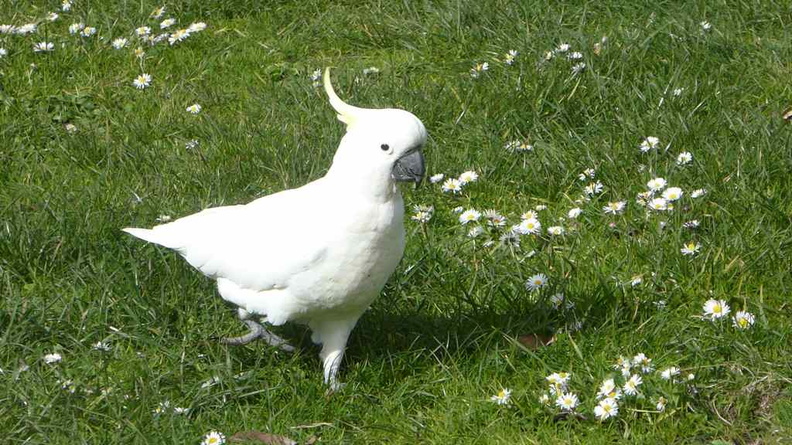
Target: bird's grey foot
258,331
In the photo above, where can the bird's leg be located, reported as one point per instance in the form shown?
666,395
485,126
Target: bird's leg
257,331
333,336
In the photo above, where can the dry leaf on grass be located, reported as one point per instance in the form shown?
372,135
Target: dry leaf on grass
536,341
258,436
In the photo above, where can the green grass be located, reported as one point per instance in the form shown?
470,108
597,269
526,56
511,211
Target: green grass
423,362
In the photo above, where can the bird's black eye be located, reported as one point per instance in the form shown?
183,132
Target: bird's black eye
385,147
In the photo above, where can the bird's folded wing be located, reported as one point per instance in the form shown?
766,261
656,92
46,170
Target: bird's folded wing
259,246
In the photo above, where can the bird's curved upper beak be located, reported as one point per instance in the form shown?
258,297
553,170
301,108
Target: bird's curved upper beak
410,167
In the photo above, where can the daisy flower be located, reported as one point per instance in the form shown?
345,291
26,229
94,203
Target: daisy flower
557,300
479,68
475,232
458,210
180,410
540,207
196,27
562,48
692,224
631,385
178,36
587,173
194,109
191,144
656,184
142,81
518,146
536,281
52,358
606,408
544,399
530,214
609,390
614,208
555,230
669,373
661,404
101,346
213,438
503,397
698,193
52,16
371,70
705,26
468,177
690,248
434,179
593,188
494,218
574,213
167,23
7,29
66,6
672,193
578,68
3,52
715,309
139,53
558,379
567,401
677,92
644,362
743,320
29,28
42,47
423,213
649,143
684,158
510,56
119,43
452,185
528,226
636,280
469,215
74,28
575,56
88,31
157,13
658,204
143,31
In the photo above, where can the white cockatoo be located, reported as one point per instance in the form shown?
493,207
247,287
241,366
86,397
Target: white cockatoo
318,254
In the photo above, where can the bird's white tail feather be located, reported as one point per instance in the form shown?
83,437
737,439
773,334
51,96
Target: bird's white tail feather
152,236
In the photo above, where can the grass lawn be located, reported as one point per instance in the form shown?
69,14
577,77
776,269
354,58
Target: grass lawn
84,153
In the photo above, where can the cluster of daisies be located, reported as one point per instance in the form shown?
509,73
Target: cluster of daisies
716,310
614,392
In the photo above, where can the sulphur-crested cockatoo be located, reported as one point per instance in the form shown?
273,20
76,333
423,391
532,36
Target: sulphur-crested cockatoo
318,254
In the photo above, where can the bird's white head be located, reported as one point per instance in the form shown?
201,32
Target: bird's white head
381,145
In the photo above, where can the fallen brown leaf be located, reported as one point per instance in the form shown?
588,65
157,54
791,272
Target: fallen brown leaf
536,341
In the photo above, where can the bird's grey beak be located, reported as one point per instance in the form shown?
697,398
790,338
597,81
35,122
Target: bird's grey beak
410,167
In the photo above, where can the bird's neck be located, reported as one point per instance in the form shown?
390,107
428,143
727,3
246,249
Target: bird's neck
371,185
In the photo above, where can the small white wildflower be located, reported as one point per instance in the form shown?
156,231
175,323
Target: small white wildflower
536,281
578,68
101,346
457,210
479,68
644,362
469,215
143,31
587,173
672,194
157,13
567,401
544,399
677,91
214,438
669,373
698,193
631,385
42,47
142,81
423,213
475,231
510,56
434,179
743,320
606,408
371,70
593,188
574,213
615,208
650,143
609,390
29,28
52,358
692,224
555,230
452,185
705,26
163,218
196,27
656,184
66,6
119,43
178,36
468,177
658,204
503,397
661,404
528,226
684,158
52,16
575,56
3,52
191,144
180,410
690,248
167,23
715,309
562,48
636,280
194,109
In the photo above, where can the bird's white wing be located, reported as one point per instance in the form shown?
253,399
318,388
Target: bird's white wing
258,246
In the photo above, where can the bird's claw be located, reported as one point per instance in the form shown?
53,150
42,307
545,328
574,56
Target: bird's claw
257,331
